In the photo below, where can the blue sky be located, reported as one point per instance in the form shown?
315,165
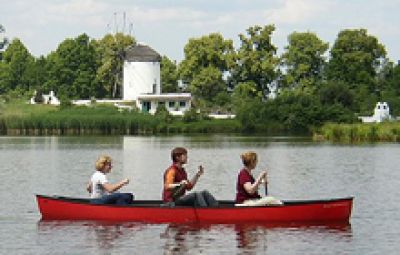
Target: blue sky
167,25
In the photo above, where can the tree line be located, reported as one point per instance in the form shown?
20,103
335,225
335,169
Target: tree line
310,83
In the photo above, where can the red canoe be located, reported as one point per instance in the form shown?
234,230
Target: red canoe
323,211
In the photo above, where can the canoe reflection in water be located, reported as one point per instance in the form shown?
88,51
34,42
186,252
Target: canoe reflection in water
104,237
248,238
253,237
138,238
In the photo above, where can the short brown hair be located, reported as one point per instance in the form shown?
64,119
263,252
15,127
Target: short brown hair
177,152
102,161
248,158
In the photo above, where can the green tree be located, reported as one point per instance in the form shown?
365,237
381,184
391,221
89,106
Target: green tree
249,114
19,64
5,80
391,88
243,92
256,59
355,57
40,73
303,60
208,83
51,67
208,55
336,92
169,75
73,68
111,54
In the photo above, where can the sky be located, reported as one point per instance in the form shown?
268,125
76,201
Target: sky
167,25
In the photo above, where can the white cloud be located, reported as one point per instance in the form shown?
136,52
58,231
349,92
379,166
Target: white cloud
42,25
298,11
157,15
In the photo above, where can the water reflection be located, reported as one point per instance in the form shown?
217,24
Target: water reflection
254,235
177,238
101,236
247,238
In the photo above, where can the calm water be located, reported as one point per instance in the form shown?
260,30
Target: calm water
298,169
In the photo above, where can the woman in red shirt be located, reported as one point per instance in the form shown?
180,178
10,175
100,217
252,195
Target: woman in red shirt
176,183
247,186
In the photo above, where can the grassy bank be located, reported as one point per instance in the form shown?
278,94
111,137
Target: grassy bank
21,119
360,132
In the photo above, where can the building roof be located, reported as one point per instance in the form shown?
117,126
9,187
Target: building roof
166,96
141,53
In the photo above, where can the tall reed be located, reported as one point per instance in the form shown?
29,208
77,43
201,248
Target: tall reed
103,120
360,132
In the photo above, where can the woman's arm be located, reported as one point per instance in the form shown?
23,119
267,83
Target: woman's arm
89,187
196,177
114,187
252,188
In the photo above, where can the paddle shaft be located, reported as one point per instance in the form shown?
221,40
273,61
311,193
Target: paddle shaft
178,190
266,189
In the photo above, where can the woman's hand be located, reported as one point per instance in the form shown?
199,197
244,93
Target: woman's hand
183,182
200,171
125,181
263,177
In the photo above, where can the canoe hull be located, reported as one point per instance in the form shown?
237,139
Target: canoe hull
61,208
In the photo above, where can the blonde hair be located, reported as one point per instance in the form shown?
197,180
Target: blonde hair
249,158
102,161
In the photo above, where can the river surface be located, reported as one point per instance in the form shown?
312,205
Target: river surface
298,169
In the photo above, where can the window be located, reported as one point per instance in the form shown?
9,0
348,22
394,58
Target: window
146,106
171,104
182,104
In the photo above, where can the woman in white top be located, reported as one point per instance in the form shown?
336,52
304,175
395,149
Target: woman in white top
103,192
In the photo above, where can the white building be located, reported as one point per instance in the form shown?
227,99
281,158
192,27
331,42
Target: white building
381,113
142,82
47,99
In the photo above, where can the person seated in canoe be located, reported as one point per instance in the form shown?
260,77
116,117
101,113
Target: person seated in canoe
176,183
103,192
247,186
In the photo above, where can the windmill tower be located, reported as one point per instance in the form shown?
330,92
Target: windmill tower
141,72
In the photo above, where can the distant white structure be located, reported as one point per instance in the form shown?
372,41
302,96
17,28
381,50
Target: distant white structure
47,99
142,82
221,116
381,113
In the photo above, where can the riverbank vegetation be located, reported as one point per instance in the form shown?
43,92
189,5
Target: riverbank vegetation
356,133
311,83
19,118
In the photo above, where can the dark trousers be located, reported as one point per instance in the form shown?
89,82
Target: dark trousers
197,199
114,198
